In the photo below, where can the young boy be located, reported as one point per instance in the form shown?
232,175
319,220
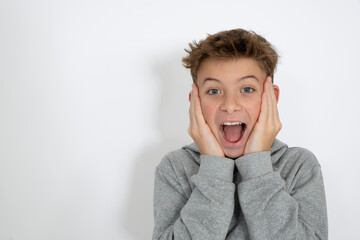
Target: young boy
237,181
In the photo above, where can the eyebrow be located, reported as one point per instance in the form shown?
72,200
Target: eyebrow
250,76
242,78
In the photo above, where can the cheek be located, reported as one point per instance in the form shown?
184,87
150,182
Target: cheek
208,110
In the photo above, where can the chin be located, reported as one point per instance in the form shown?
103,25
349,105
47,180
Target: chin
234,153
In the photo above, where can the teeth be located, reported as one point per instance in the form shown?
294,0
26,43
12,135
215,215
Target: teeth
231,123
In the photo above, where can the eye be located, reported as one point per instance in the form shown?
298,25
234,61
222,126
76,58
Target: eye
213,91
247,90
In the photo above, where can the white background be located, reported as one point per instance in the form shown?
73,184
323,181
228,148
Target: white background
93,94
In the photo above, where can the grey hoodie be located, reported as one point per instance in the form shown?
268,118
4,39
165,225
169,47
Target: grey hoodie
277,194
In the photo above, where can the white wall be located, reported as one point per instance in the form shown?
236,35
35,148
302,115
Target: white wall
93,94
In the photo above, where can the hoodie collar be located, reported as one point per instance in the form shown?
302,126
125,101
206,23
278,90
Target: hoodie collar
277,149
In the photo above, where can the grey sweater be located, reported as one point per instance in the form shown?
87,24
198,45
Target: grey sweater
277,194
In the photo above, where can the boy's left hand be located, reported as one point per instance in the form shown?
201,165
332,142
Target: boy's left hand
268,124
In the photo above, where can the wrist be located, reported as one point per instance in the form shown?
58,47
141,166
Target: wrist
254,164
212,149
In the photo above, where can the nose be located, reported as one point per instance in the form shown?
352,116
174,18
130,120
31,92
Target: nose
230,104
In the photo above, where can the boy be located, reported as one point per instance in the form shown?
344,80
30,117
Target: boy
237,181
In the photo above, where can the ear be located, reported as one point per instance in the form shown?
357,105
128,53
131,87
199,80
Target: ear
277,92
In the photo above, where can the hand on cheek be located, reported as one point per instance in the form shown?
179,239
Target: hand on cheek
268,124
199,130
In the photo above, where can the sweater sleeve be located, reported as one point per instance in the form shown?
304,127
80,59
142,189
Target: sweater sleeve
207,213
270,211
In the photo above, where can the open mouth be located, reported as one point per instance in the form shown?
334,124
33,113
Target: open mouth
232,131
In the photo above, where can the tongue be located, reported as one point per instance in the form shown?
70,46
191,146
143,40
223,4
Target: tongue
232,133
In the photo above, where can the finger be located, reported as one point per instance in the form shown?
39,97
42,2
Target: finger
274,105
264,110
192,109
274,115
273,96
263,116
197,107
271,100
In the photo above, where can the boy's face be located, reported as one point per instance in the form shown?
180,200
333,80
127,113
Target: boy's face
230,91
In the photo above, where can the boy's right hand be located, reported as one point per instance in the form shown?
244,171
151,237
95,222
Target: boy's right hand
199,130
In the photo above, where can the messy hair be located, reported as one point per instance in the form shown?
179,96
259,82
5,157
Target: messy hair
232,44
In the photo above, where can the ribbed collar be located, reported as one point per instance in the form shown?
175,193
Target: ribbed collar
277,149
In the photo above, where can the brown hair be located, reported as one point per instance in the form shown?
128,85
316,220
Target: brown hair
232,44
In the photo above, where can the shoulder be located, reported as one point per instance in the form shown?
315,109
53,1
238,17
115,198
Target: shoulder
301,156
176,169
293,161
297,166
185,160
284,156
